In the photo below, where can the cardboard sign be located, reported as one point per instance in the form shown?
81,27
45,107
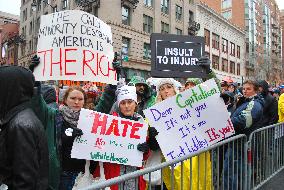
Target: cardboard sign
176,55
74,45
190,121
109,138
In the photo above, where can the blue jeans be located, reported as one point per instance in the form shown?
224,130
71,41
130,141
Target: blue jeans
67,180
233,169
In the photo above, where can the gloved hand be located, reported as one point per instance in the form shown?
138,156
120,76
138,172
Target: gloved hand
73,132
35,61
204,62
116,63
143,147
152,132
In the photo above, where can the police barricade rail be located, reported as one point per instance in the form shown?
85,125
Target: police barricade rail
265,154
220,166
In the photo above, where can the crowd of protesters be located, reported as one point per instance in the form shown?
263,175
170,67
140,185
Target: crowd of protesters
31,159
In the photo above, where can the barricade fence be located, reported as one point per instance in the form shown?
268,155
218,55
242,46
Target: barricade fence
235,163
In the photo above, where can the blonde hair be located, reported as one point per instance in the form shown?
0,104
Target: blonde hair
159,96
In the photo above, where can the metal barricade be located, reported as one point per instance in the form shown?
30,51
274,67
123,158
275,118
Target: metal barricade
220,166
265,154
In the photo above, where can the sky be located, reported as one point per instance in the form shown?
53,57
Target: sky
13,6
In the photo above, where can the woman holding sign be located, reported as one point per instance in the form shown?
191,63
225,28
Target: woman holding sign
73,101
200,165
127,106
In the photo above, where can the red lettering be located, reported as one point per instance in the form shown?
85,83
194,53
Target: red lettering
101,67
51,62
97,123
44,60
113,128
135,128
85,62
69,60
125,123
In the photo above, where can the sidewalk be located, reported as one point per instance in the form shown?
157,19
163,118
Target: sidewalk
277,182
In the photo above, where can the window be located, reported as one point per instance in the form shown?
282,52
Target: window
178,12
64,4
238,69
6,22
54,10
148,3
232,49
224,65
227,14
125,46
232,67
30,46
31,28
238,52
147,24
215,41
165,6
207,37
215,62
37,23
165,28
178,31
226,4
25,16
125,15
147,51
224,45
190,16
96,11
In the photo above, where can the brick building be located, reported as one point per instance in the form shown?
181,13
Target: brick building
9,38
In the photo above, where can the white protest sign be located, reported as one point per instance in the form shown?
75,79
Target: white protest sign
74,45
190,121
109,138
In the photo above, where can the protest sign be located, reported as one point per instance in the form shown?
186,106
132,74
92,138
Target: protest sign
109,138
74,45
176,55
190,121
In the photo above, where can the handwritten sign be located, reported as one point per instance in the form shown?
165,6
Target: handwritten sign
190,121
109,138
74,45
176,55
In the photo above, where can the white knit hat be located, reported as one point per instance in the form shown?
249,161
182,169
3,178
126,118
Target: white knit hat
127,92
165,81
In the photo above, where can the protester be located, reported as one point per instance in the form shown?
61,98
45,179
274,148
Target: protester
281,104
23,144
246,118
73,101
192,82
270,109
229,100
127,104
276,93
49,96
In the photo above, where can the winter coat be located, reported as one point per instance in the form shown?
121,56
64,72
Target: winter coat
23,144
248,114
112,170
270,108
148,99
281,108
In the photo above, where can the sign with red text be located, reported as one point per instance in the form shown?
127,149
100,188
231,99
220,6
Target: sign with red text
74,45
109,138
190,121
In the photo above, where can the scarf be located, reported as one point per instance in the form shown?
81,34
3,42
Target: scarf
69,115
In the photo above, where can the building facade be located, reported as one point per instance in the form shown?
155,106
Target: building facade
9,38
224,43
282,39
6,18
132,22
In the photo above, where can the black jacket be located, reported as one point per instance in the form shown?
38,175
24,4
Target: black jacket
24,153
270,108
23,144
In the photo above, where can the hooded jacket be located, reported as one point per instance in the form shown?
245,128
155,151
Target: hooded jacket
148,99
23,144
247,116
270,108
